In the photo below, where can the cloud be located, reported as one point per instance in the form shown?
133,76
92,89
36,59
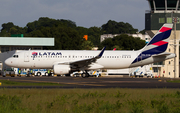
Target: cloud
86,13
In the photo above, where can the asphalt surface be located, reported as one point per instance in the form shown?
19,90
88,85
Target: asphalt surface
93,82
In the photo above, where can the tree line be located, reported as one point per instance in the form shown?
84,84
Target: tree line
69,36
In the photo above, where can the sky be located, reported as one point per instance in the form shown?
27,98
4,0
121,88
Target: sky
85,13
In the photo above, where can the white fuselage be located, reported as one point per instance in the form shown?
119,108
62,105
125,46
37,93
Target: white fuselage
47,59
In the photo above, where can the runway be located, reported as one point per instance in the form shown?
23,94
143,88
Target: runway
92,82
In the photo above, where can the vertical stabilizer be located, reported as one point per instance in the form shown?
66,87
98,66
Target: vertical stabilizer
158,43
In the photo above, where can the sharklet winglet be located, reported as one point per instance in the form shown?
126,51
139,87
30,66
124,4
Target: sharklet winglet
102,51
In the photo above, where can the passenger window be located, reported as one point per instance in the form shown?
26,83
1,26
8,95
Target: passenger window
15,56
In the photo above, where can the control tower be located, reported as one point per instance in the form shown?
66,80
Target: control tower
165,11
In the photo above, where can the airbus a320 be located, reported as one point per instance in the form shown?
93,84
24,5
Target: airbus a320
68,61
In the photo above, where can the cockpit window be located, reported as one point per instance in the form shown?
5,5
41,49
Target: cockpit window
15,56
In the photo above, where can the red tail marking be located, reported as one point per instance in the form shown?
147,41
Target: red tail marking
160,43
163,29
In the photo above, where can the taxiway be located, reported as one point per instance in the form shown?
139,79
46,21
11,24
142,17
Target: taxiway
92,82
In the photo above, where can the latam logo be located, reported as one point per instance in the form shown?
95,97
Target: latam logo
46,53
34,53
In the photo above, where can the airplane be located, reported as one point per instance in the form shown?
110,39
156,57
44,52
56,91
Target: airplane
68,61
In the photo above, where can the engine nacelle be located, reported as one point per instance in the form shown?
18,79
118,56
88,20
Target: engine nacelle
61,69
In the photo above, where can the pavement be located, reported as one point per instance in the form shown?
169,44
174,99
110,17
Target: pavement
94,82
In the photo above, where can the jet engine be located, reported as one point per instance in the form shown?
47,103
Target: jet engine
61,69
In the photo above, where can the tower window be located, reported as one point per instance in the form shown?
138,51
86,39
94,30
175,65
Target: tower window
169,20
161,20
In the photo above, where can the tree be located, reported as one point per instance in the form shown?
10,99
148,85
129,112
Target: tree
68,36
108,43
94,34
47,22
113,27
143,31
7,26
123,42
87,45
117,47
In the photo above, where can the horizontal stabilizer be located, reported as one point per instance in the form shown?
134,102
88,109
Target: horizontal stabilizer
162,54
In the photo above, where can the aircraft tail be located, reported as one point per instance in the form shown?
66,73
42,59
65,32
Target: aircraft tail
159,42
157,45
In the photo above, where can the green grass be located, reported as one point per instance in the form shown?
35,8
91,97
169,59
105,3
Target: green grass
14,83
174,81
111,100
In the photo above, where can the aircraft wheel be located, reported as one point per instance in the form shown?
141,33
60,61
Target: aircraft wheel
83,75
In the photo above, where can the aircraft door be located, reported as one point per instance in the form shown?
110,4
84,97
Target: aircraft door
26,57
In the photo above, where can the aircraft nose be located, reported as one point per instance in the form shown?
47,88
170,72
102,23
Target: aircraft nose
7,62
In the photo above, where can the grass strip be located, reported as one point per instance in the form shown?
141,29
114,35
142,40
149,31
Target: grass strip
111,100
173,81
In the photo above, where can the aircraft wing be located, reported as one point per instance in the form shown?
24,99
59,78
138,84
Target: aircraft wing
85,62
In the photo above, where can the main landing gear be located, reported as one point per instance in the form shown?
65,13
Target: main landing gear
85,74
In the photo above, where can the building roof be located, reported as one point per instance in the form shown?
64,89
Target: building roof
26,41
164,5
